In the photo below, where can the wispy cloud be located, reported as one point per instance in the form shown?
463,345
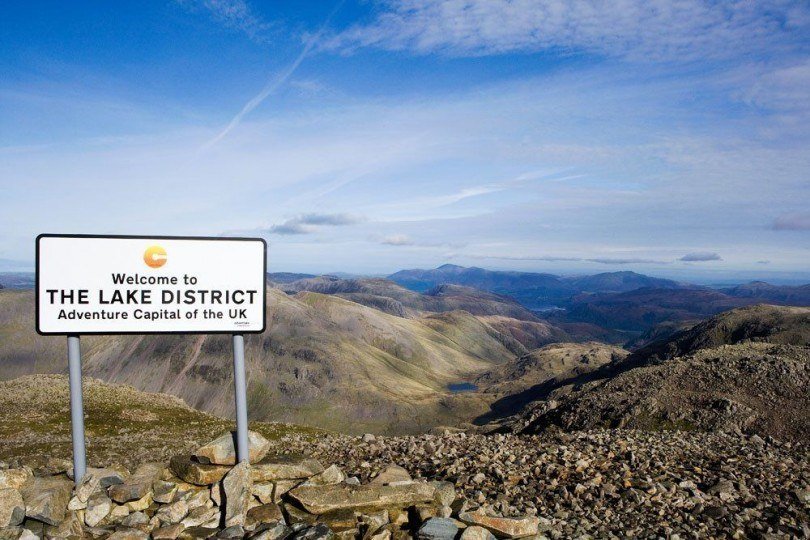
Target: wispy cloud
309,223
701,256
274,84
235,15
638,29
792,222
397,240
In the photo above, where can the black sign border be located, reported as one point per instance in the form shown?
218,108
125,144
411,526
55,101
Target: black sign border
148,237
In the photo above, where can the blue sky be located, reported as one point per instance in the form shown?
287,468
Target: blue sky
563,136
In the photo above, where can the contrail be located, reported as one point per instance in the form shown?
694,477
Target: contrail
274,84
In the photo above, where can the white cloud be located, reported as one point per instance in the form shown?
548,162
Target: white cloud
701,256
309,223
397,240
645,30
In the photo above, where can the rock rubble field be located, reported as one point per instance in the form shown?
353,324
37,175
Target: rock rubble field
453,485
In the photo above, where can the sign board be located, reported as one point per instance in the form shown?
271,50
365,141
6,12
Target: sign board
149,285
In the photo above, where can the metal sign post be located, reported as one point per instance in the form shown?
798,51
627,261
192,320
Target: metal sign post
76,408
240,396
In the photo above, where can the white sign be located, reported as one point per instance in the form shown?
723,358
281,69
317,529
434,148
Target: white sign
143,285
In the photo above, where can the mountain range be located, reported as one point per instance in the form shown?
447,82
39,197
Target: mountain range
448,346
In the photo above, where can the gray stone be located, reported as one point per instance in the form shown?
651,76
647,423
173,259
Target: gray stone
445,492
163,492
437,529
46,499
285,468
221,450
234,531
391,474
236,487
128,534
138,485
474,532
330,475
169,532
96,479
98,508
197,473
172,513
320,499
12,508
264,513
136,520
276,531
317,532
201,516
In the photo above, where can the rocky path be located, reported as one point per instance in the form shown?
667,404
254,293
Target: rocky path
608,483
452,486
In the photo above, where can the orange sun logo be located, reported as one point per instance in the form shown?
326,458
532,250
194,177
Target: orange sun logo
155,256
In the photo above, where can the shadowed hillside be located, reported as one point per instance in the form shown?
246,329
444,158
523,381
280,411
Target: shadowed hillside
309,366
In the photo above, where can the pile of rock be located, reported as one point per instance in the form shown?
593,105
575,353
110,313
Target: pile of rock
206,494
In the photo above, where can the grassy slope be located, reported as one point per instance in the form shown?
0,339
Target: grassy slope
123,425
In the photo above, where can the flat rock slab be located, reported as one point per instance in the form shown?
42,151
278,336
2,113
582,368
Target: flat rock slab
138,485
236,487
46,498
503,527
438,529
391,474
321,499
196,473
285,468
221,451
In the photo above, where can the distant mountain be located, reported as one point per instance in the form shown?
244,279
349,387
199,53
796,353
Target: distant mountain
17,280
286,277
783,294
620,282
642,309
535,291
392,298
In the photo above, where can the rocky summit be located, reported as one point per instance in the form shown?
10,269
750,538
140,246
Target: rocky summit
453,485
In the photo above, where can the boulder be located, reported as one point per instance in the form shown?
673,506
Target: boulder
330,475
163,492
221,451
70,527
202,517
285,468
173,513
277,531
96,479
12,508
197,473
445,493
316,532
46,498
98,508
392,474
503,527
169,532
264,492
320,499
14,478
437,529
234,531
265,513
138,485
474,532
236,488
